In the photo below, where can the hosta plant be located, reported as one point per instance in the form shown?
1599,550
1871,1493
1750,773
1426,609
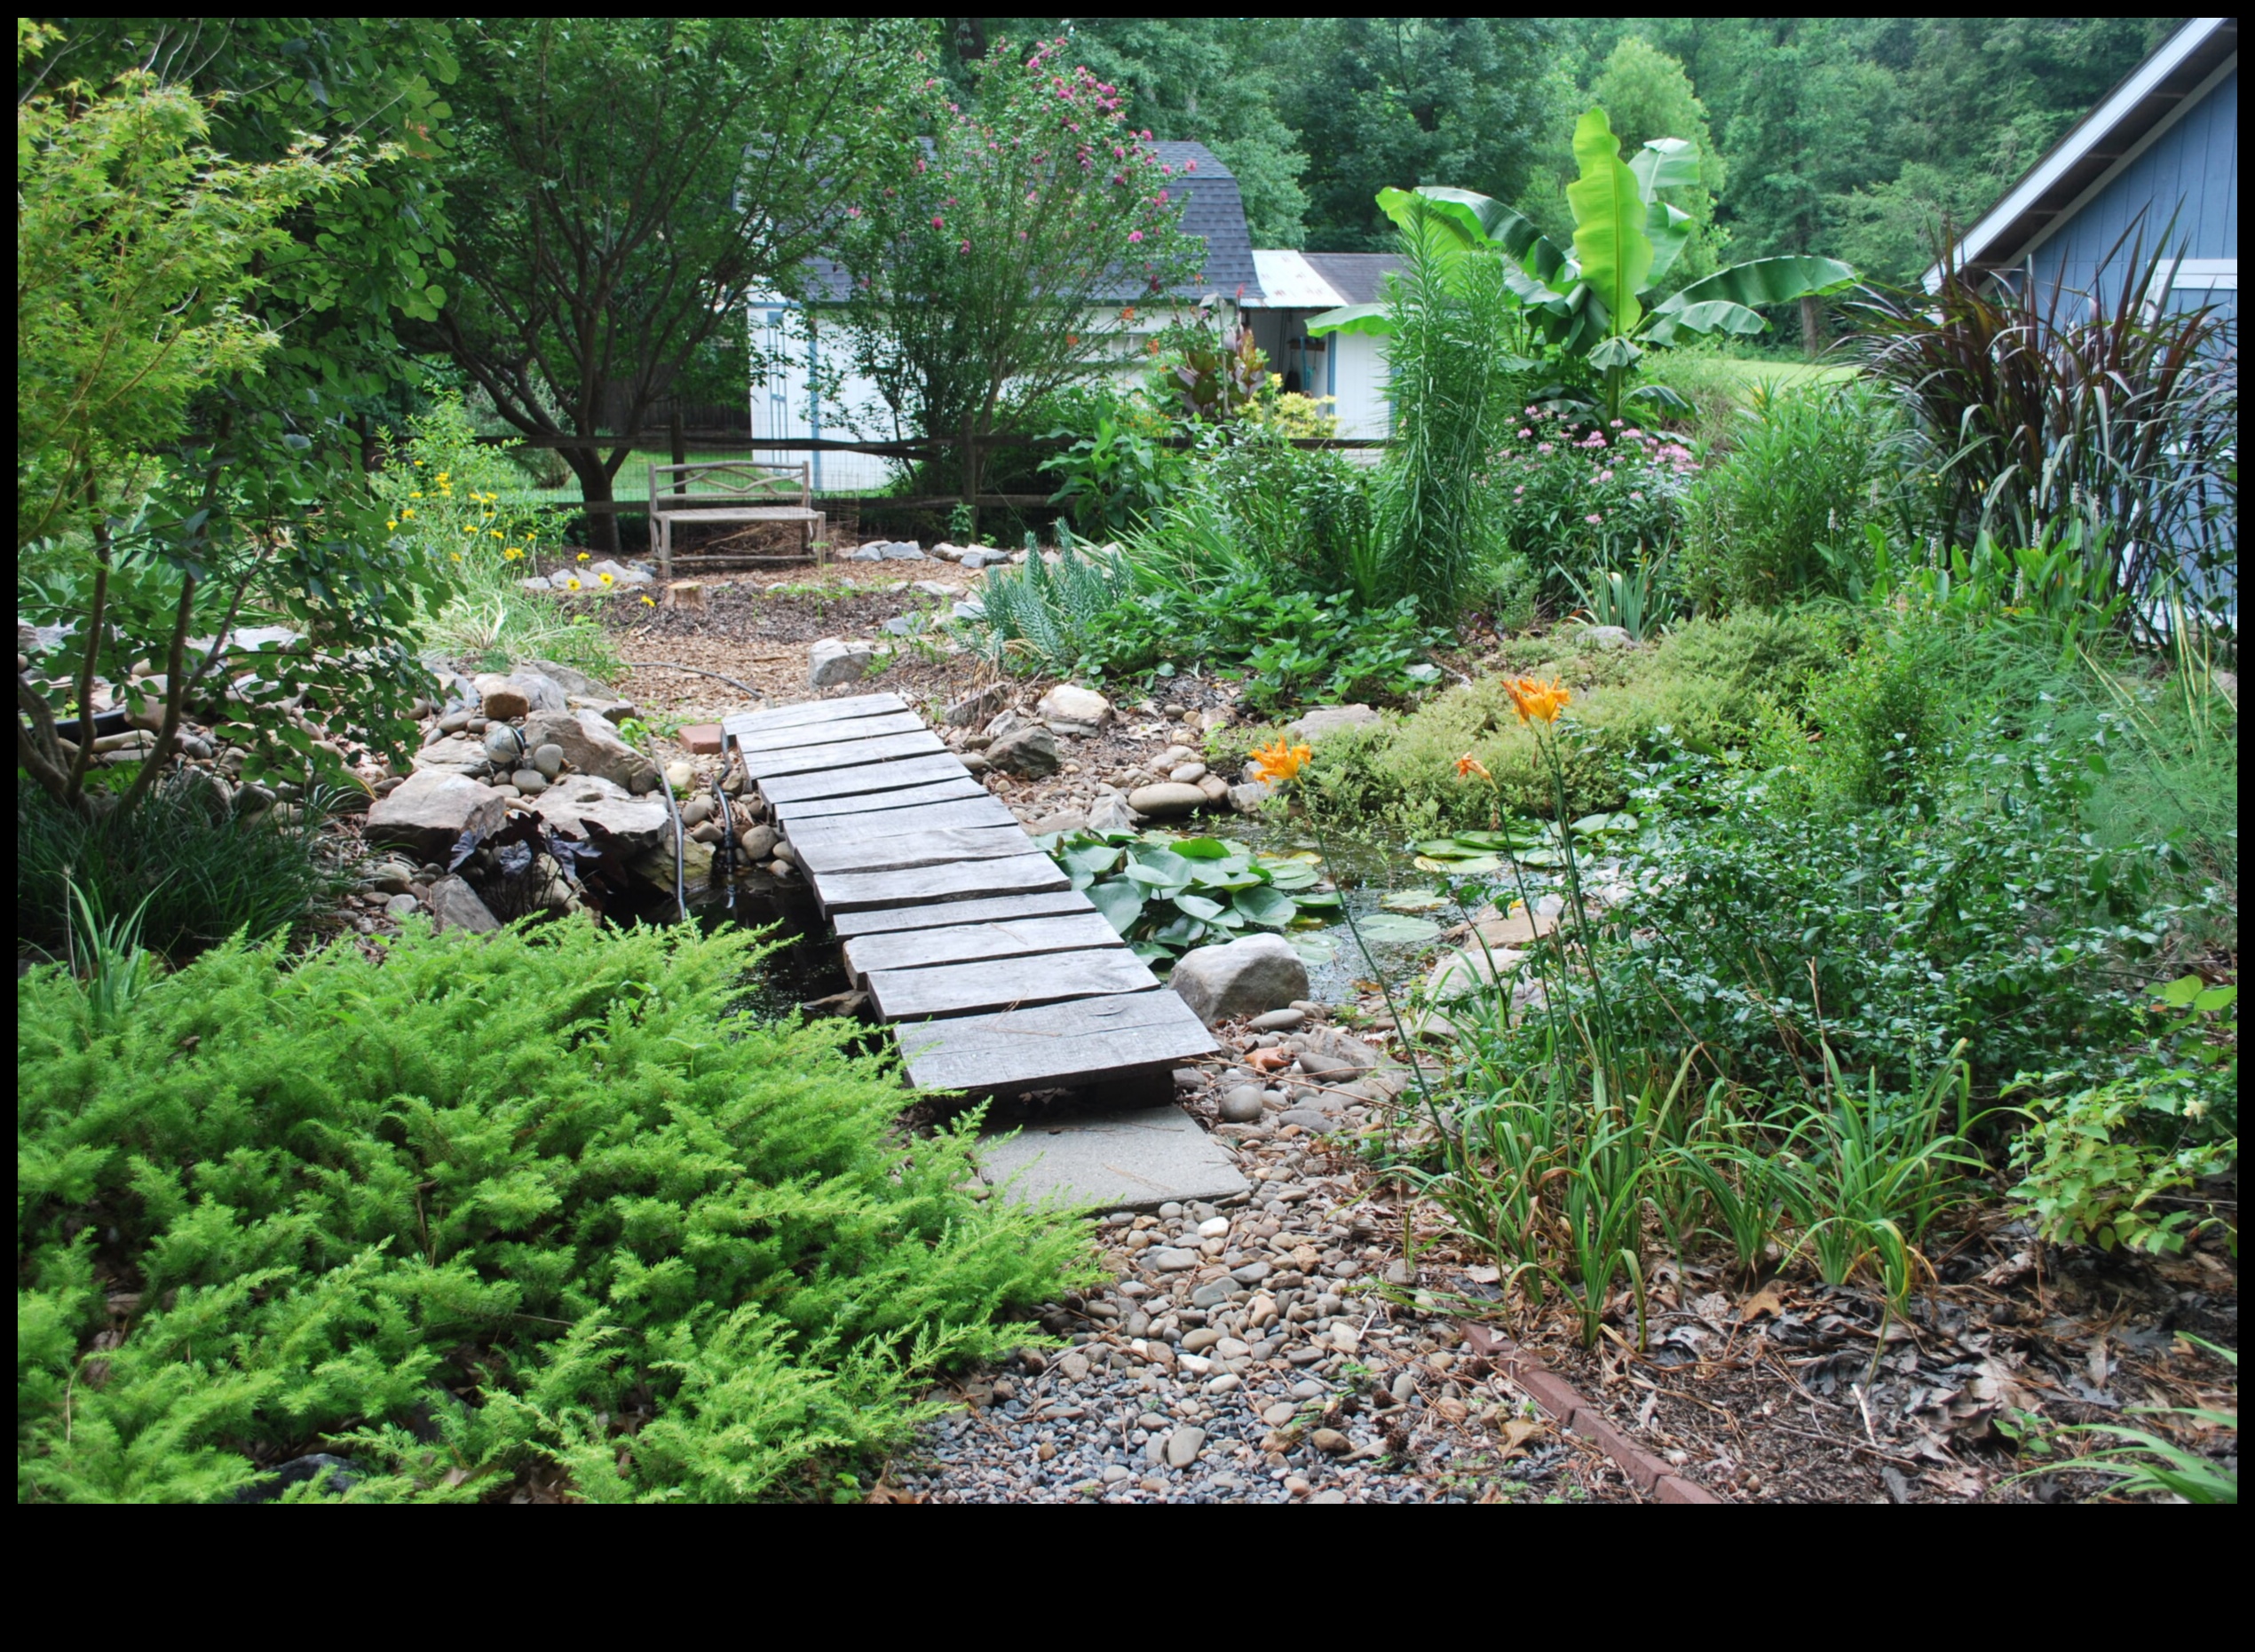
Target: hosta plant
1166,895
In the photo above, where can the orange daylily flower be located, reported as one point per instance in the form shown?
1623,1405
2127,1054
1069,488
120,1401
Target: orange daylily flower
1469,764
1280,762
1537,701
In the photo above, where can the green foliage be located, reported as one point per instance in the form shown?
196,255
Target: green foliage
175,467
1117,474
193,870
1166,895
1207,373
488,1203
1584,501
2145,1464
1786,513
1044,616
447,500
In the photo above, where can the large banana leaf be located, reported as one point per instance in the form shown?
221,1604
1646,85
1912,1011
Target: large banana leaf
1483,219
1766,281
1710,315
1375,319
1610,241
1669,230
1664,163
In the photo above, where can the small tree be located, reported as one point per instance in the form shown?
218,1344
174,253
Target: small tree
621,185
157,489
1006,249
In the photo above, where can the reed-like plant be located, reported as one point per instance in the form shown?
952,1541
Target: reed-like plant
2107,418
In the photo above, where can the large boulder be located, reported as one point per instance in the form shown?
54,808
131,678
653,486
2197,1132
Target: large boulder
430,809
1246,977
1031,752
834,661
590,808
592,745
1166,799
1330,720
1067,704
456,753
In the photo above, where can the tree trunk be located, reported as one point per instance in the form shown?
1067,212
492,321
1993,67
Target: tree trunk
595,489
967,455
1812,325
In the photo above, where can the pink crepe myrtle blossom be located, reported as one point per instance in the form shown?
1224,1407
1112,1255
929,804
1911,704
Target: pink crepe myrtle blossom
1133,235
1525,434
1545,447
1593,519
938,221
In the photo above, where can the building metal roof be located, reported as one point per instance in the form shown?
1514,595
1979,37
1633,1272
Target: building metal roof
1288,282
1358,277
2127,120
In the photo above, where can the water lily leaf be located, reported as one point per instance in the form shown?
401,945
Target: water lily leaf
1318,900
1120,902
1291,877
1470,865
1244,878
1267,907
1498,839
1542,857
1589,824
1198,906
1413,900
1153,953
1201,847
1181,932
1394,928
1447,848
1314,949
1093,859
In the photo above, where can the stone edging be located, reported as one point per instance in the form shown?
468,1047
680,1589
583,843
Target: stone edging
1576,1415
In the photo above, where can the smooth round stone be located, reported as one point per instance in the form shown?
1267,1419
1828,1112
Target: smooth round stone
1166,799
1279,1414
400,905
504,744
1184,1445
1308,1388
1169,1260
1252,1273
549,759
454,723
1209,1296
1169,1211
1242,1105
532,782
1278,1021
1187,774
1213,1228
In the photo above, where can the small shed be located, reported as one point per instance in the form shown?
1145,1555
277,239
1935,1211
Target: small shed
1347,369
2163,144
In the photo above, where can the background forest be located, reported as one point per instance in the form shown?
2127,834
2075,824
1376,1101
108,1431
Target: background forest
1847,135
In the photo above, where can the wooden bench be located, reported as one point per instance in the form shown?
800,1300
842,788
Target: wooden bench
733,490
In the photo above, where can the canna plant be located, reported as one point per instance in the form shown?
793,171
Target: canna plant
1593,304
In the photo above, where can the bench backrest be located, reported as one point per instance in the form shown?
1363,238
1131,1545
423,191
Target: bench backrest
728,482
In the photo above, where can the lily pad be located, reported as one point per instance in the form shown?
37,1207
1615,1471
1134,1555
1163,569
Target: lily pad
1201,847
1314,949
1471,865
1266,907
1394,928
1413,900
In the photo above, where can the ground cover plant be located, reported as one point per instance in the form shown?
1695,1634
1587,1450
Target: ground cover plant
490,1206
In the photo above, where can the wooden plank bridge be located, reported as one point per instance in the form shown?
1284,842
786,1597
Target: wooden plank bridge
997,974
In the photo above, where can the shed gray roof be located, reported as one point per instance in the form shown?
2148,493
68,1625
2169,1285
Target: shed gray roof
2072,169
1358,277
1211,209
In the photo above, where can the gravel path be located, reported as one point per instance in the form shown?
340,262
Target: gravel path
1270,1349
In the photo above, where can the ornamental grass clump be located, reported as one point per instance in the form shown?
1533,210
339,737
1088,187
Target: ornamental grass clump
492,1206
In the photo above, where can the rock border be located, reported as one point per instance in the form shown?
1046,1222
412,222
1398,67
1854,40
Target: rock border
1574,1415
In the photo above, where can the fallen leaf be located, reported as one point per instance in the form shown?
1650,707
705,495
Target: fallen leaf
1270,1061
1517,1432
1451,1410
1768,1300
1481,1274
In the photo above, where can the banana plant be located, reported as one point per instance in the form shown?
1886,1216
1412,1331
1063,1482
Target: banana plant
1589,302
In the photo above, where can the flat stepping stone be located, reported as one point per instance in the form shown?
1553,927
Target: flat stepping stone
1129,1160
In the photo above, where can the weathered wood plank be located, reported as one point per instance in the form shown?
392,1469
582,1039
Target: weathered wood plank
963,789
819,733
1023,937
823,853
876,777
813,711
1054,1046
763,766
994,983
1029,874
946,915
977,810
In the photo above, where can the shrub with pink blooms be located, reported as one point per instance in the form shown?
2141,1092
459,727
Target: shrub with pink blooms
988,265
1580,497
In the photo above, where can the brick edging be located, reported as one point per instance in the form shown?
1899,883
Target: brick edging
1574,1415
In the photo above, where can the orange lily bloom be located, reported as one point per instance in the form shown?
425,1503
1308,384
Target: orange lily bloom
1280,762
1537,701
1469,764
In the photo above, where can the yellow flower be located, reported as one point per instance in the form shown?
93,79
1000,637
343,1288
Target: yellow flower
409,511
583,556
470,530
455,555
417,495
1280,762
443,475
1536,701
393,523
571,582
649,602
1469,764
513,552
496,532
606,578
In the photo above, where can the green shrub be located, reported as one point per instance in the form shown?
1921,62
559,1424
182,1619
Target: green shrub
1783,516
489,1205
206,872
